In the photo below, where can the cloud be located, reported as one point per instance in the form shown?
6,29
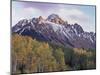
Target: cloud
69,13
73,14
24,13
31,11
76,16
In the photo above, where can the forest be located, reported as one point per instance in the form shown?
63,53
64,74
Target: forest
33,56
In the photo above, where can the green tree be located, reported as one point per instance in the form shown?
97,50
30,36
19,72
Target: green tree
59,55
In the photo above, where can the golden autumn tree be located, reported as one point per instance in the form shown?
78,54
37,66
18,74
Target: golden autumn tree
30,56
45,61
21,49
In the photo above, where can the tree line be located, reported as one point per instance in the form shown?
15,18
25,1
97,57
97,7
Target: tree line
33,56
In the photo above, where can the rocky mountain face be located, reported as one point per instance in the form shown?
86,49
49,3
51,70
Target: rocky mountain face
56,31
55,19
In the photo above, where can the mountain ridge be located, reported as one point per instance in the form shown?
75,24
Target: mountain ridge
55,30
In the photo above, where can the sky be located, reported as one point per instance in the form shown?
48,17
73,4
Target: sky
84,15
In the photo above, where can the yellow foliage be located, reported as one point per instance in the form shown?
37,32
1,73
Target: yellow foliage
80,51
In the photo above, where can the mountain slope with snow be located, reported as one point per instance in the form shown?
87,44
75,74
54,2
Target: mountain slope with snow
57,31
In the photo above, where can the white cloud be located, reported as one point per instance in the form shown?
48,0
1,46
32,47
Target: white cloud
76,16
31,11
72,15
25,13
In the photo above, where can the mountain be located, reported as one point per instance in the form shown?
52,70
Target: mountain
56,31
55,19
